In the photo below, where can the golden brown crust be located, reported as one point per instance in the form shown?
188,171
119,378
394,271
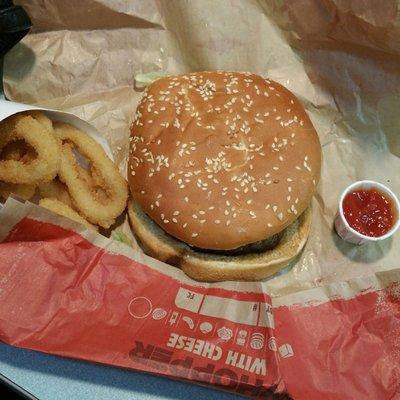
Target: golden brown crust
25,192
222,159
211,267
62,209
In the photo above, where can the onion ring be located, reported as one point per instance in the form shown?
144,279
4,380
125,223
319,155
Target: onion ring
21,190
100,193
18,151
41,118
62,209
57,190
42,168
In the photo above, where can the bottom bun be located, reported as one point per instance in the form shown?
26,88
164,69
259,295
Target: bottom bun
214,267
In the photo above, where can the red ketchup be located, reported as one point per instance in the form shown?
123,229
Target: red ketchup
369,212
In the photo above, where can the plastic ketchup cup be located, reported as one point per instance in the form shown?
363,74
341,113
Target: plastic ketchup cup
368,212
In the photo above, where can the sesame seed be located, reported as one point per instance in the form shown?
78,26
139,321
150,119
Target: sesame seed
289,179
267,206
297,167
234,215
217,221
152,206
159,196
201,212
194,216
175,213
269,225
288,198
211,208
280,216
157,203
195,234
275,168
296,201
184,225
174,220
289,189
228,222
202,221
166,221
186,199
226,212
274,208
253,214
280,158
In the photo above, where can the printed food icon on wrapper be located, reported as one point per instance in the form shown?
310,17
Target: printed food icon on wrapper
225,333
206,327
241,337
140,307
286,350
272,344
159,313
257,341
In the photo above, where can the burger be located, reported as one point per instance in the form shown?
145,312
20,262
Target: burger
222,169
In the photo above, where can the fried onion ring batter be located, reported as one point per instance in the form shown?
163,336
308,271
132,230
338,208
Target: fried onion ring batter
21,190
100,193
57,190
62,209
42,168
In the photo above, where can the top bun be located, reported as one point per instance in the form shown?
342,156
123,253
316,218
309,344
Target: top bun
222,159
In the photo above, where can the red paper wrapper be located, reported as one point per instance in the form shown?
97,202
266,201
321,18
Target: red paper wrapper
81,295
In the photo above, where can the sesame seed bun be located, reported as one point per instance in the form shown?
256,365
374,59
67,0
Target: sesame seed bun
222,159
213,267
